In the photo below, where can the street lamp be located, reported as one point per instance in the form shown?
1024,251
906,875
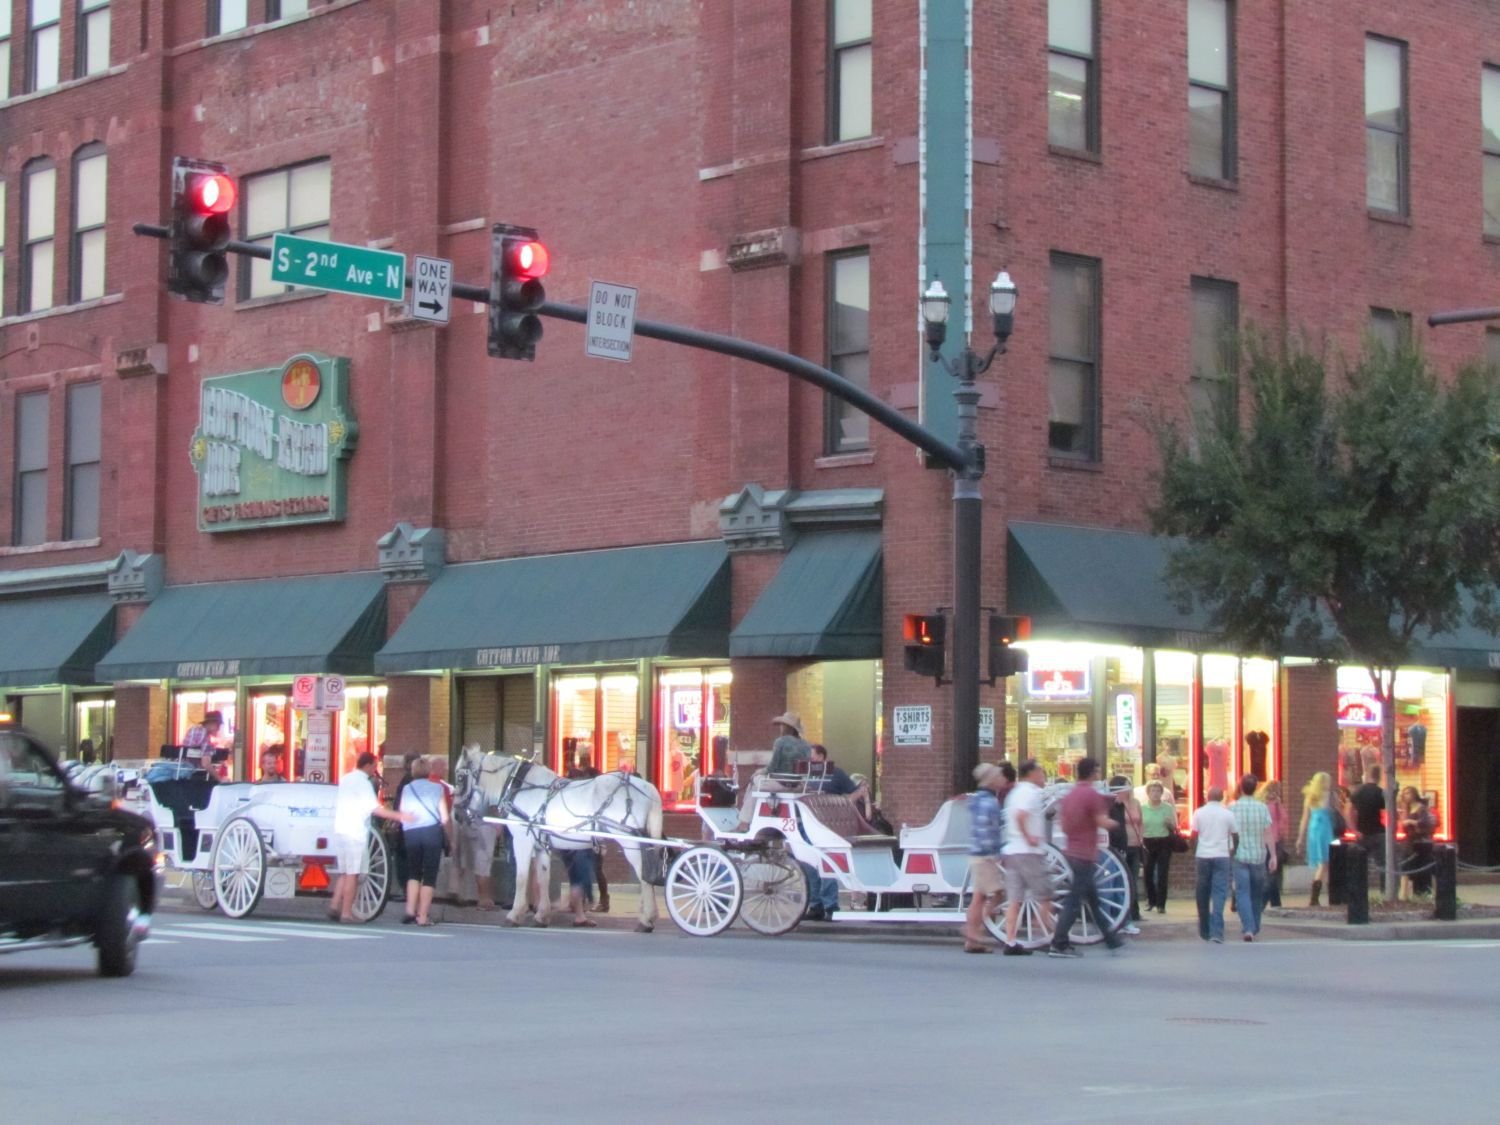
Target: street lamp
967,507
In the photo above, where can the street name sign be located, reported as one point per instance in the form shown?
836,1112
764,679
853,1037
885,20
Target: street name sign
611,326
431,288
338,267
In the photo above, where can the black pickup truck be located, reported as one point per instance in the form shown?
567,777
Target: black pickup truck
72,868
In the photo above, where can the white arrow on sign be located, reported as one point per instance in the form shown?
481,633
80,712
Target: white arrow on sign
431,289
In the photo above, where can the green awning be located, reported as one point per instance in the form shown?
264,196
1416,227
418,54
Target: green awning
620,604
1097,584
54,640
825,601
270,626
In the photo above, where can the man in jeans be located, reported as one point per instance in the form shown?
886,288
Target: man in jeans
1083,812
1254,858
1213,824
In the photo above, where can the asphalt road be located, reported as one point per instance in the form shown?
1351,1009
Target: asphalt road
294,1020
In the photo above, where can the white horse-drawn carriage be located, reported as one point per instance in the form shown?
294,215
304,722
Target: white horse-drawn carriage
245,841
762,876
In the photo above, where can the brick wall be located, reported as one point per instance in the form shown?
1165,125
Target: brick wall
1308,723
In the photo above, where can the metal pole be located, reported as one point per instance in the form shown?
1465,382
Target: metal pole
968,513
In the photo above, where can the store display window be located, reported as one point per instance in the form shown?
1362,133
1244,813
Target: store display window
1176,721
1218,759
316,746
1422,735
1059,693
1260,748
692,729
1124,697
188,708
94,724
594,722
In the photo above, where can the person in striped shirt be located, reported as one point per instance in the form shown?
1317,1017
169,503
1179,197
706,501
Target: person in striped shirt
1254,856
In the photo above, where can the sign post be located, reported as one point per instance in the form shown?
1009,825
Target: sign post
338,267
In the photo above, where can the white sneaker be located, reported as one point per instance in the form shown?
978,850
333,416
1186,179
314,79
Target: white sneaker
1131,929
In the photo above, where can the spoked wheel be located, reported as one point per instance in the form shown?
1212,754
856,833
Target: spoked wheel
203,890
775,893
239,867
1113,883
704,891
1035,922
369,892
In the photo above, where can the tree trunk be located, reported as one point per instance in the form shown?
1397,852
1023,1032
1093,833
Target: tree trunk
1387,695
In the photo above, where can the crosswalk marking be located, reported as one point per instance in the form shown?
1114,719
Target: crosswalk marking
273,931
196,935
316,934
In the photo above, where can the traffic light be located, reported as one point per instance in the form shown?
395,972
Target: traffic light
1004,631
924,636
518,262
202,197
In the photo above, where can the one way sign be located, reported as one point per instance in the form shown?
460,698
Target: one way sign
431,288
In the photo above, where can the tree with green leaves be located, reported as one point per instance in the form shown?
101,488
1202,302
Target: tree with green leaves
1355,512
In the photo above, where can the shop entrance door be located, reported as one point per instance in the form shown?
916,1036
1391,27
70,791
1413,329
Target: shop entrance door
1478,769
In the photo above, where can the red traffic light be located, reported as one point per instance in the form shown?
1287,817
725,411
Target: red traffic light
920,629
212,195
528,260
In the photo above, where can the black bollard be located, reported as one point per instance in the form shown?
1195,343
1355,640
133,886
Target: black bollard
1445,883
1357,883
1337,853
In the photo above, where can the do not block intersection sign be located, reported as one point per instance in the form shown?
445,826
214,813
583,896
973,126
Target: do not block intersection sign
431,289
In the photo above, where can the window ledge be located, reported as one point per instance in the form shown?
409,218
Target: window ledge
1073,464
63,310
859,144
43,548
1394,218
1492,239
278,299
843,460
1082,154
1213,182
70,84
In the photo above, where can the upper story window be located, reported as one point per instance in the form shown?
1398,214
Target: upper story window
282,9
1490,114
225,16
1211,89
1073,368
90,187
1072,82
1390,328
850,94
38,234
29,525
1213,393
82,510
3,215
45,44
295,200
4,50
1385,126
848,332
93,36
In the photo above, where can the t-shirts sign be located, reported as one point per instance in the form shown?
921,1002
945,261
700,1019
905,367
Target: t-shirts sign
911,726
987,727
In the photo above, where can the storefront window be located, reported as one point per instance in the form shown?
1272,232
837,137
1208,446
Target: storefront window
1221,676
188,709
1059,697
1175,720
595,722
1422,734
317,746
1262,753
1124,700
692,729
94,723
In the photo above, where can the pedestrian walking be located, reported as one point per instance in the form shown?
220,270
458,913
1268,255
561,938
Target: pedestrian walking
1319,809
1254,858
1213,824
1021,854
1083,812
357,800
1270,793
1158,826
1125,837
985,878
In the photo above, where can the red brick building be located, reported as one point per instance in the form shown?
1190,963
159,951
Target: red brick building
646,562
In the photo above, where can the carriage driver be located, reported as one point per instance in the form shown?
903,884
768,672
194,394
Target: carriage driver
788,749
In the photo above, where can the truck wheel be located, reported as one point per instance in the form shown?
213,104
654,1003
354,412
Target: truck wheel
120,928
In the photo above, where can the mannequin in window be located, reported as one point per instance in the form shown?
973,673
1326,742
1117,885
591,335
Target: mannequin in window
1258,741
1217,753
1416,738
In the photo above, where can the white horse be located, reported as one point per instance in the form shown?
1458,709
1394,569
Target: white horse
613,802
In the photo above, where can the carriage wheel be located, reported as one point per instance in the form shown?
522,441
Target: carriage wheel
775,894
1113,883
239,867
369,892
203,890
704,891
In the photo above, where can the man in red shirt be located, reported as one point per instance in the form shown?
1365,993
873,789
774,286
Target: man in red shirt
1083,812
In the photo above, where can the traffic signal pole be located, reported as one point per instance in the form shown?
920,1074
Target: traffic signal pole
965,460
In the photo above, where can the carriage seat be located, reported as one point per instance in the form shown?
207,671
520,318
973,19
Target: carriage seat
838,814
184,797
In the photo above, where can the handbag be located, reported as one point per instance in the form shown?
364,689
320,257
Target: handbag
1179,843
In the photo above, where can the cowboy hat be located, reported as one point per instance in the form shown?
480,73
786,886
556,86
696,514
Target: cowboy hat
790,719
987,773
